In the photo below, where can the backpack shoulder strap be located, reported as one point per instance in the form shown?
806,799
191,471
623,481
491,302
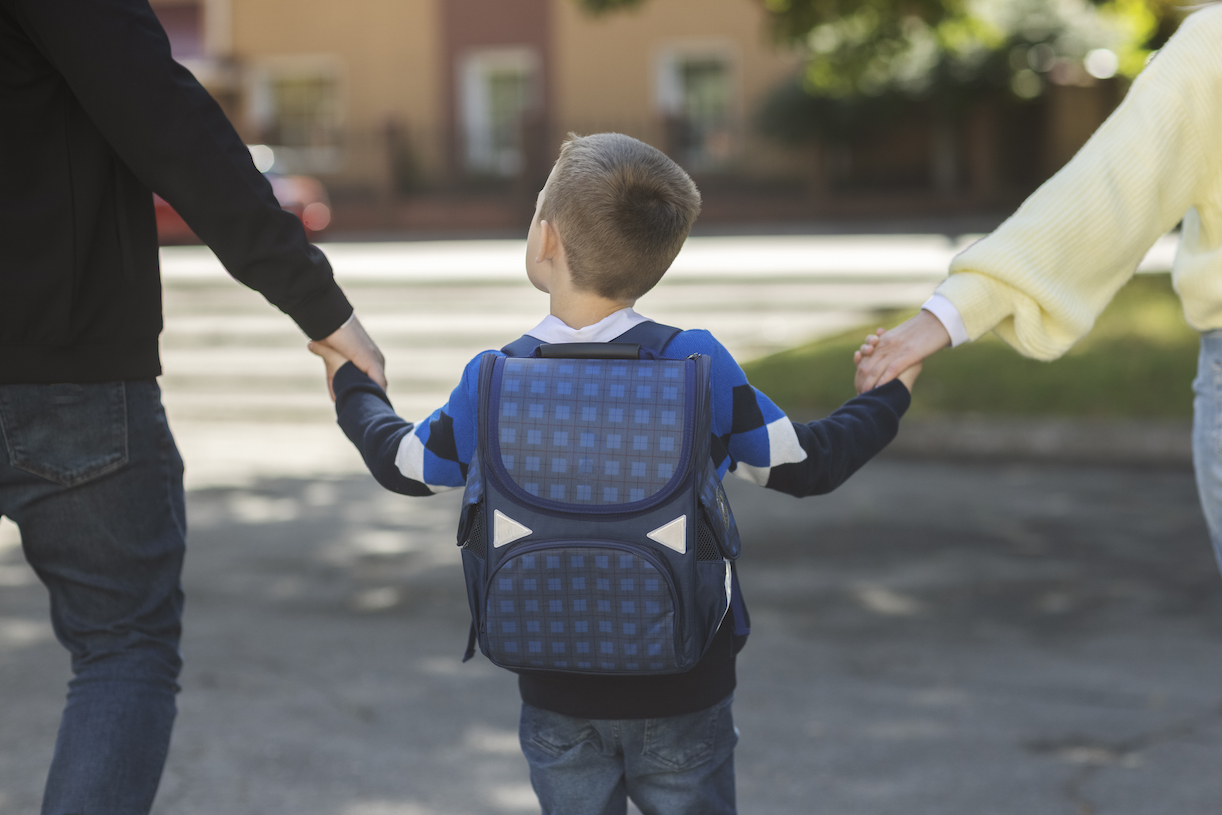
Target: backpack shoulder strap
523,346
649,334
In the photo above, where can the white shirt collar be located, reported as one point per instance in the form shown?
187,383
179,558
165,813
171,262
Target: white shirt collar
553,330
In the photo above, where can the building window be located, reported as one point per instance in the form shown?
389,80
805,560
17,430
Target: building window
295,107
695,93
304,110
498,89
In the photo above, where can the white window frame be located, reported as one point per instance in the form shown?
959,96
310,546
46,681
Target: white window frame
479,154
668,96
260,108
668,92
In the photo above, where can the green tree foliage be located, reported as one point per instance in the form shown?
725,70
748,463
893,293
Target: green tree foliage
860,46
869,60
1137,363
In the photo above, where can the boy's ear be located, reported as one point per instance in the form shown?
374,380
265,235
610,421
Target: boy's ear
549,241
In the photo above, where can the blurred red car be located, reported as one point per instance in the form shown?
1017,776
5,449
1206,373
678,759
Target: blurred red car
301,195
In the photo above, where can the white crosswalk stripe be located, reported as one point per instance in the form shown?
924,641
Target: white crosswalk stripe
247,400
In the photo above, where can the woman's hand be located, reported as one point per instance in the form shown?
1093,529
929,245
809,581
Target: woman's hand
887,354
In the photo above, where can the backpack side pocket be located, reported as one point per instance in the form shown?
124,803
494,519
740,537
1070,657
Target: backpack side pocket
716,512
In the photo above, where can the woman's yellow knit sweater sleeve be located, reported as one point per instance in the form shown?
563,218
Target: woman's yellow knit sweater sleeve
1043,277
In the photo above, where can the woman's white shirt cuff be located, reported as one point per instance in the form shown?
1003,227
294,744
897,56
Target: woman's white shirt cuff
949,317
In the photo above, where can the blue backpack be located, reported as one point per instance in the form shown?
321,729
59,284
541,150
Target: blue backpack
596,536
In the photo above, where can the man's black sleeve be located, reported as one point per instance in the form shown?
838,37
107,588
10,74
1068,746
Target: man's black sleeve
115,57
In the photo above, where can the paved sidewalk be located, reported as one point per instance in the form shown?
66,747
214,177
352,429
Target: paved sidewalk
933,639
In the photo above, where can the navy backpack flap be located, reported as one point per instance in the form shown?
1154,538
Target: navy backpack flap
595,535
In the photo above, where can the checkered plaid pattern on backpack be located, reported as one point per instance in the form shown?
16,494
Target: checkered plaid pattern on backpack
581,608
591,431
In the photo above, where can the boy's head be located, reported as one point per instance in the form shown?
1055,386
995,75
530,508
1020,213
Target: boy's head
621,209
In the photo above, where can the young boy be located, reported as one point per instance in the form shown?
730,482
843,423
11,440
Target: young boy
608,223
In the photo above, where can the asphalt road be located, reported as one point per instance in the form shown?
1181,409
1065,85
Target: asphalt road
932,639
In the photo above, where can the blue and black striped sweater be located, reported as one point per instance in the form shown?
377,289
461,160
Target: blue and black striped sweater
752,438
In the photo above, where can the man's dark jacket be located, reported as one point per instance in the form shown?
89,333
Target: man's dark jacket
94,115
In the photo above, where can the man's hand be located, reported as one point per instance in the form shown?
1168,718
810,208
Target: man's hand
352,343
891,353
333,360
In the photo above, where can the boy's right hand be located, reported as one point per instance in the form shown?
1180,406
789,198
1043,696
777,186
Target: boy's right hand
332,359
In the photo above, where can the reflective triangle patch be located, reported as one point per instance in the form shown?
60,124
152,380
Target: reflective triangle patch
506,530
672,535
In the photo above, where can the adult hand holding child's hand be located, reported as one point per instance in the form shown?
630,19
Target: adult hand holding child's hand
333,360
863,356
352,343
888,354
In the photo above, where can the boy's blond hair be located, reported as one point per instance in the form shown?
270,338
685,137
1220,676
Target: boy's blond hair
622,210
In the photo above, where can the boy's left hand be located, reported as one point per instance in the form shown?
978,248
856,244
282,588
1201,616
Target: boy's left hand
907,376
885,357
333,360
866,350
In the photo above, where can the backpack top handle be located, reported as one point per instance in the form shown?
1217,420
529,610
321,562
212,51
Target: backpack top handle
589,350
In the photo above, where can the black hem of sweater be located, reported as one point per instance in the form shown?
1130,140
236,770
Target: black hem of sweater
88,361
589,696
323,314
98,360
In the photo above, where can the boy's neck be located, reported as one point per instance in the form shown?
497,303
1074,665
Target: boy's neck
578,309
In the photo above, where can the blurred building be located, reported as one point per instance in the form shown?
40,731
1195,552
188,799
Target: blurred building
434,114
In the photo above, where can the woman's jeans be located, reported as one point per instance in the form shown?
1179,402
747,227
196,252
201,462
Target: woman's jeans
91,476
678,765
1207,435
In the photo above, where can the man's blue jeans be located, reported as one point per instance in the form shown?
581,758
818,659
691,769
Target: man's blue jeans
91,476
678,765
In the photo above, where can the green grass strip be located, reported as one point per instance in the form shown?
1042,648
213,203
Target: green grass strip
1137,363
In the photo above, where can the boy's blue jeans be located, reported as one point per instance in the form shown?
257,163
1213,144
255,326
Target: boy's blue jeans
91,476
678,765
